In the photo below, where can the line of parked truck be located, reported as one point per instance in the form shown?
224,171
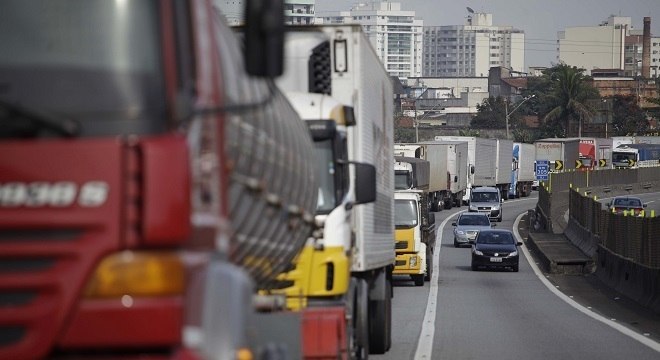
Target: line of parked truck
200,208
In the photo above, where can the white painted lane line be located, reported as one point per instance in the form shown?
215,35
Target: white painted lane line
425,343
587,311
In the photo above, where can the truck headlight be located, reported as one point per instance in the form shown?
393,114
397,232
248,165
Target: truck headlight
413,262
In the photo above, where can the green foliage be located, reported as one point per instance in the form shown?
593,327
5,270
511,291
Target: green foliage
469,132
404,135
491,114
628,117
568,94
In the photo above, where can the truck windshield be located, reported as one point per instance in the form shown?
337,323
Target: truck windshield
93,61
405,213
402,180
325,171
622,158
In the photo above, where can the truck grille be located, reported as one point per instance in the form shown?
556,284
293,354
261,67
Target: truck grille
401,245
35,287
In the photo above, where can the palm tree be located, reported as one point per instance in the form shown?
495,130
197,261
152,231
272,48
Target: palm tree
569,93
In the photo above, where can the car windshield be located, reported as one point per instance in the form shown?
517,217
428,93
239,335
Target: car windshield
484,197
473,220
499,238
628,202
93,61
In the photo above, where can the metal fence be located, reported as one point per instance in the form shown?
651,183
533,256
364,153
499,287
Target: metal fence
632,237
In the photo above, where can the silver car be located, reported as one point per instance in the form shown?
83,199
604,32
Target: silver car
468,225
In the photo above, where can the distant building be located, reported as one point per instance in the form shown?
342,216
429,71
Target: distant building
472,49
296,12
612,45
395,34
655,57
595,47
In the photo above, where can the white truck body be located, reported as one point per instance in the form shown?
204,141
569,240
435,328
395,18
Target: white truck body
523,174
357,79
482,155
504,155
448,161
526,162
553,149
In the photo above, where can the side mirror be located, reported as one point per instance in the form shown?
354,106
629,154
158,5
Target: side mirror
455,178
431,218
501,200
264,38
519,243
453,224
609,204
365,183
471,169
644,205
471,242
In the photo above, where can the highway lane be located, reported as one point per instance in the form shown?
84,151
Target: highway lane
498,314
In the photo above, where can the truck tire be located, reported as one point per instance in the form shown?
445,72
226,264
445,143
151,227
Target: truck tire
357,326
380,323
418,279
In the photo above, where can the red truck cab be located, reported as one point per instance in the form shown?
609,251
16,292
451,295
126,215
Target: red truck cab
114,173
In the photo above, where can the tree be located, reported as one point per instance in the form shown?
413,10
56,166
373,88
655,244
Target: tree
491,114
628,118
569,91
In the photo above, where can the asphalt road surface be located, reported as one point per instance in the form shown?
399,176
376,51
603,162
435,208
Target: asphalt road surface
463,314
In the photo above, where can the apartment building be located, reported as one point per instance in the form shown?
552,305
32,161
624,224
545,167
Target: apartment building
473,48
395,34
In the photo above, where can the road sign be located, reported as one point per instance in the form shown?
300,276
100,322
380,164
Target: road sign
578,164
559,165
542,169
602,162
632,162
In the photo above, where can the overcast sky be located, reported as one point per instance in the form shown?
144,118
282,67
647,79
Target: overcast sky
540,19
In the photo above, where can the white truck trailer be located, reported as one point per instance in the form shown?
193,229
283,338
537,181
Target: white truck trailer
560,152
339,61
523,174
481,169
448,178
504,167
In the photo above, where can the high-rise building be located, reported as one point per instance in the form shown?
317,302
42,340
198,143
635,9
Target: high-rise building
472,49
596,47
296,12
395,34
612,45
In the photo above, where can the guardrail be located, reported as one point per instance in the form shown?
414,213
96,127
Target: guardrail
626,249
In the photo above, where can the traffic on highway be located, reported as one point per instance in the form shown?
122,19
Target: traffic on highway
176,183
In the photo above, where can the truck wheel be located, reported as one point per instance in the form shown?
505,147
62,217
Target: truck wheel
358,322
380,323
418,279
